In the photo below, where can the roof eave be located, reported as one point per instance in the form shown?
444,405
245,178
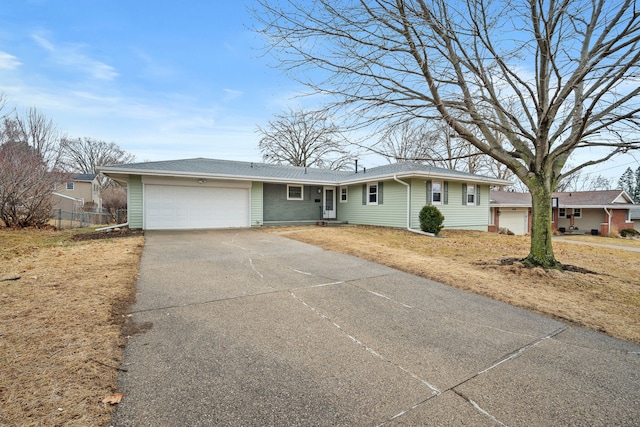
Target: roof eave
174,174
363,178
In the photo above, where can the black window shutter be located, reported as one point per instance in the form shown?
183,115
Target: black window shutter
364,194
445,197
380,185
464,194
429,198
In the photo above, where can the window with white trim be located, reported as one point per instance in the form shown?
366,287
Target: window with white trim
562,213
70,185
436,192
295,192
471,194
372,193
343,194
577,213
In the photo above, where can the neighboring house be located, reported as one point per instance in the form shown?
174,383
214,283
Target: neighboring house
590,212
635,217
206,193
81,192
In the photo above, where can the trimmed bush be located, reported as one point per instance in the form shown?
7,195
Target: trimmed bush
629,232
431,219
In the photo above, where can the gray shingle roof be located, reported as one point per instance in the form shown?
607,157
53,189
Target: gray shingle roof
202,167
84,177
565,199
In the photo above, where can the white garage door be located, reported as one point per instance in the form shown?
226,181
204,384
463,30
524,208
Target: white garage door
516,221
169,207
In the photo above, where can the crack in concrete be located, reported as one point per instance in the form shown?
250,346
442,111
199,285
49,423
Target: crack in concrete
370,350
504,359
521,350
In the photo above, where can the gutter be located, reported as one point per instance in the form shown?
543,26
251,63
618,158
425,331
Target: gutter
395,178
75,199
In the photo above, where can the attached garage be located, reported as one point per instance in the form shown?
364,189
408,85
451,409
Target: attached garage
516,220
181,205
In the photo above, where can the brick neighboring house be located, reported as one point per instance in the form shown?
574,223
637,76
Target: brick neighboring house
635,217
81,193
577,212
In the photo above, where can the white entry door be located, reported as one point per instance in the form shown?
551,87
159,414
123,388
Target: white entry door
329,203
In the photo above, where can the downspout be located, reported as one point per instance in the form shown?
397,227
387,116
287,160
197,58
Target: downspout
395,178
125,224
608,221
111,227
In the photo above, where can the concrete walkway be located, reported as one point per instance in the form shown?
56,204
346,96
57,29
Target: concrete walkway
244,328
569,239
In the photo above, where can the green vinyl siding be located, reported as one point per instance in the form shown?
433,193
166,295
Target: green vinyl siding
456,215
468,217
276,206
256,203
418,201
391,213
134,208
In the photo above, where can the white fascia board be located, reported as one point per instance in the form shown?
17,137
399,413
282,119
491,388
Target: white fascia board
173,174
422,175
614,206
510,205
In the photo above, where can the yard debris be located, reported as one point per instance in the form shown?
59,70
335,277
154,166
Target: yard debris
113,399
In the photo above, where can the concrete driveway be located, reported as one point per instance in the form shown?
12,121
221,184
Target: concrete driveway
245,328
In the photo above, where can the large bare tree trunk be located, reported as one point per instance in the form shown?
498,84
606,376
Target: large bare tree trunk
541,249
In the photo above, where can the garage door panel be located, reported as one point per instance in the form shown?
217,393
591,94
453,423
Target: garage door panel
516,221
179,207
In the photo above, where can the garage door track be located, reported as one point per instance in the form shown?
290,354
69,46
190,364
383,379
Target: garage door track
246,328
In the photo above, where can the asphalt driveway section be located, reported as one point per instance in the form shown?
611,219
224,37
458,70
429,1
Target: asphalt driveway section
247,328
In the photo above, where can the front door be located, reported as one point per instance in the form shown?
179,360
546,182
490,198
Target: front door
329,203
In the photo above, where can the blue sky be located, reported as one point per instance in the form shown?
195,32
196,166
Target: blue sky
162,79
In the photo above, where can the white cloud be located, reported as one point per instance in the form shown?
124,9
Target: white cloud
8,61
71,57
232,94
44,43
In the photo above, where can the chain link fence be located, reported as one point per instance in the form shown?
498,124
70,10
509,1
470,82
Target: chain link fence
66,219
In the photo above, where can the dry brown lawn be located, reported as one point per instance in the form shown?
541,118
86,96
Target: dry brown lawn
61,320
62,304
606,300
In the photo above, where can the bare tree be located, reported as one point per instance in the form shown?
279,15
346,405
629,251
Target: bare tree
551,78
406,142
303,138
584,182
84,155
114,198
29,168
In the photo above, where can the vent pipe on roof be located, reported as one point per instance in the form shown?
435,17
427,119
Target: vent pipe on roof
356,165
